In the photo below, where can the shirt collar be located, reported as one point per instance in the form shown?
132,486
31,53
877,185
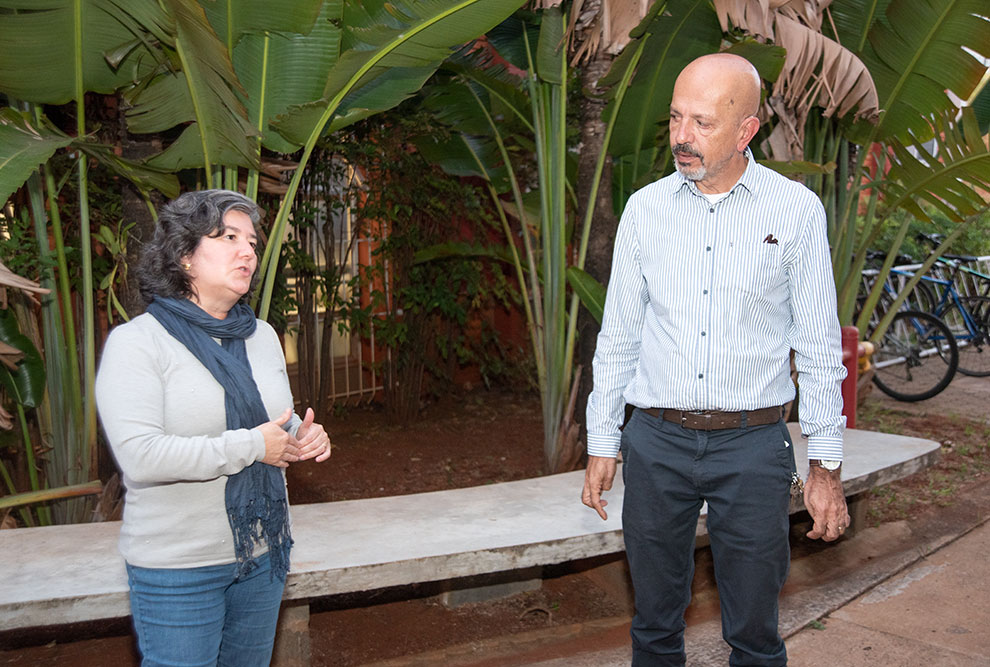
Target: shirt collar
749,181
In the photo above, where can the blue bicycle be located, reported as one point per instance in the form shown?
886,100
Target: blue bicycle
967,317
917,356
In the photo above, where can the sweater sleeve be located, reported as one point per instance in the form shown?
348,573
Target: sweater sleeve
133,394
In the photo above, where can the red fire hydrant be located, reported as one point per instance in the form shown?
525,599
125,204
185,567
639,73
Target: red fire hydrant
851,352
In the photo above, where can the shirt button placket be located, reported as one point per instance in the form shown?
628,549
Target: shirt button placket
704,312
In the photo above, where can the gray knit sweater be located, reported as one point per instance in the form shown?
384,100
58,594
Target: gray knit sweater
163,414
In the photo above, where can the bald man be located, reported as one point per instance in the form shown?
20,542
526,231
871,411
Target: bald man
719,271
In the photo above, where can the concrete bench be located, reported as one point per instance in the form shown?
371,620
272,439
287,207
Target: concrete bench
74,573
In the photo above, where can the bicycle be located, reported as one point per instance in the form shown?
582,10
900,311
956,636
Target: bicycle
917,356
974,283
967,317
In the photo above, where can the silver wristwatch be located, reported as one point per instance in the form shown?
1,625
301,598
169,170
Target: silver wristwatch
831,466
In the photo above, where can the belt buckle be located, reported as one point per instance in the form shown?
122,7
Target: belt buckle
705,414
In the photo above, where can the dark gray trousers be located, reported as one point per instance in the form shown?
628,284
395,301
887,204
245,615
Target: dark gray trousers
744,474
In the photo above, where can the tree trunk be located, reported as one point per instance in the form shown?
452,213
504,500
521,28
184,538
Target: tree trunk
134,209
604,223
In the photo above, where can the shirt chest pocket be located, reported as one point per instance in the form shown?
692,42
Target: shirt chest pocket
754,269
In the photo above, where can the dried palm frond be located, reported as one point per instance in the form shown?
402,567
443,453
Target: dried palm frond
838,79
9,356
10,279
6,420
597,25
818,71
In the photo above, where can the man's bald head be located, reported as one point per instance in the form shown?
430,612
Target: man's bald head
734,78
713,118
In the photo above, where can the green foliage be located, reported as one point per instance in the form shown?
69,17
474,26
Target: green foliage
26,384
974,239
429,315
19,250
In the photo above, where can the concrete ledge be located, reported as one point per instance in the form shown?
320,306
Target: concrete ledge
74,573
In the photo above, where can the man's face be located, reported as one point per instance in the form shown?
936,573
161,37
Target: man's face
704,130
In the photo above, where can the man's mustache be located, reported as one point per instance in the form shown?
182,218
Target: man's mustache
686,149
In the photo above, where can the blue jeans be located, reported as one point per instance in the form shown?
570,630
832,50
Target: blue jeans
205,616
744,474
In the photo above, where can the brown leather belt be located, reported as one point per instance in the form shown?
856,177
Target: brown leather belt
714,420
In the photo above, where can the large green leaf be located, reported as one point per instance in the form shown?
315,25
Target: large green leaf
590,291
683,31
461,250
766,58
981,107
221,134
852,20
38,63
143,176
233,19
23,146
952,180
923,49
27,384
551,50
283,54
401,43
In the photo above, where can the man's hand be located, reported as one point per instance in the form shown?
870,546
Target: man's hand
826,503
598,478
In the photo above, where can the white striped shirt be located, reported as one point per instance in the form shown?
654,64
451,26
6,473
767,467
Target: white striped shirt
705,302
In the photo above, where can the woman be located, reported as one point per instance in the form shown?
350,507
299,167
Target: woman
195,401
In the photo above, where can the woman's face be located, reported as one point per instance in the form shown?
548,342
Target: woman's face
221,266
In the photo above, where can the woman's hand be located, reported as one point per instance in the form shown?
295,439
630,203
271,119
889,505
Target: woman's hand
313,439
281,449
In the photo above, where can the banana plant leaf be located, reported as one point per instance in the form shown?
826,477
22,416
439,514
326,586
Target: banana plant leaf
143,176
798,167
590,291
283,51
460,250
23,146
507,40
766,58
203,93
981,107
918,52
683,31
402,43
26,385
233,20
852,20
550,49
952,180
38,36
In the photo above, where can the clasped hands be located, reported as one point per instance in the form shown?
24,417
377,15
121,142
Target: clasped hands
281,448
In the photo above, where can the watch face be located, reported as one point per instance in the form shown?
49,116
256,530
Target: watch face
830,465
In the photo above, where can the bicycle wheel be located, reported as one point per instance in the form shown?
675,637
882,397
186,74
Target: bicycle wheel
972,335
921,298
915,358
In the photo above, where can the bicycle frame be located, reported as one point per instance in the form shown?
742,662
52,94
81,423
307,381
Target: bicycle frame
949,297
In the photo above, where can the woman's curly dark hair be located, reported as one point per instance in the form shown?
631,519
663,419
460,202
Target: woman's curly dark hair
182,223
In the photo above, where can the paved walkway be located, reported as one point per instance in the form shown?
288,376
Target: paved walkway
965,396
